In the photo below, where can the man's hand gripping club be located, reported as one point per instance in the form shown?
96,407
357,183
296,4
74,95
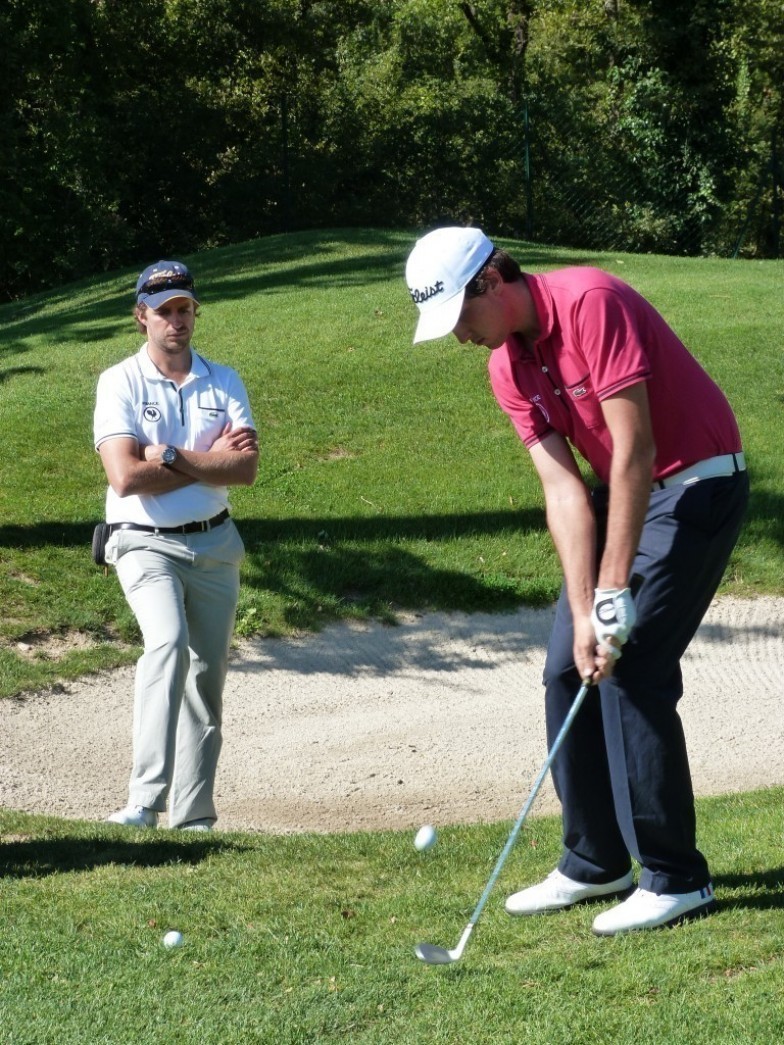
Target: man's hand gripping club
613,616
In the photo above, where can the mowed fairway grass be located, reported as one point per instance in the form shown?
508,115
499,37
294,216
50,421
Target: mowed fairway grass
311,939
389,481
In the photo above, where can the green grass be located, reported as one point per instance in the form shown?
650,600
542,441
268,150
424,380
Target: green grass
389,479
310,939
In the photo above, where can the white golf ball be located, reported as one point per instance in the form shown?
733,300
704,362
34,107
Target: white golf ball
425,838
172,939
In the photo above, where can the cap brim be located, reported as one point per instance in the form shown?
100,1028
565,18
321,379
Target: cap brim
440,321
156,300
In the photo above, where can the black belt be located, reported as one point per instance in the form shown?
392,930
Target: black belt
191,527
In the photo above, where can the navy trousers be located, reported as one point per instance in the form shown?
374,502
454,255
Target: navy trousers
622,774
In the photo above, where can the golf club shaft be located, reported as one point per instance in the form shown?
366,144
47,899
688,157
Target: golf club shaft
524,811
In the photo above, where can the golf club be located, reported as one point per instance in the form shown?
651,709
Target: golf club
430,953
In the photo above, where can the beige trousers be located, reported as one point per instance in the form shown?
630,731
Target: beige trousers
183,591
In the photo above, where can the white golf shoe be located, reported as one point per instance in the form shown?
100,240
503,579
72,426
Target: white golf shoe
196,825
646,910
134,816
557,891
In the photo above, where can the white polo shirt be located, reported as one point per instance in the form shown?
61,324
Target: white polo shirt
135,400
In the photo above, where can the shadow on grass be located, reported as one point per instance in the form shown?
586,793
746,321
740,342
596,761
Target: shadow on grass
317,530
332,565
15,371
30,857
313,259
265,266
765,518
763,890
377,564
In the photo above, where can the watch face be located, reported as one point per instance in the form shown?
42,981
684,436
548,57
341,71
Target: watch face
169,455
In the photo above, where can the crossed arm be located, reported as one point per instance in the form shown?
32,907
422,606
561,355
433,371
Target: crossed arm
134,468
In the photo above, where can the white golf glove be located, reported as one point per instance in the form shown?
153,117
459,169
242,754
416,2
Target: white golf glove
613,617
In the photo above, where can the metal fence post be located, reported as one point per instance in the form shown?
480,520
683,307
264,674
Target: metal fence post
776,220
529,196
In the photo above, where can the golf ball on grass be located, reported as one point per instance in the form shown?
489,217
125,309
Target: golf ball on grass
425,838
172,939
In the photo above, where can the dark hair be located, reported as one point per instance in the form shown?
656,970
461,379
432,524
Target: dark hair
504,264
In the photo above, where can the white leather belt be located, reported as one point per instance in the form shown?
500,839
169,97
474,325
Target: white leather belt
724,464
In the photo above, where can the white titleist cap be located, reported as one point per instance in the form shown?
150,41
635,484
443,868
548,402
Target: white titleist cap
438,270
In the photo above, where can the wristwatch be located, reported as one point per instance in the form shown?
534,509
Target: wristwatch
169,456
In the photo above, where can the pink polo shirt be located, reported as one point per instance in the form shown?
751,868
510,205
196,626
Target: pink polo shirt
599,336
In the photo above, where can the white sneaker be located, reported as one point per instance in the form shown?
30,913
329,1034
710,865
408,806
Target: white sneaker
557,891
196,825
646,910
135,816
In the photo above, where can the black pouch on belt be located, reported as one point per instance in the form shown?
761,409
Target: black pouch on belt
101,535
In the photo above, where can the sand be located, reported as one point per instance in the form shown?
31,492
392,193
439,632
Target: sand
438,720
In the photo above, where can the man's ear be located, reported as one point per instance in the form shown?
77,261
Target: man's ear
494,280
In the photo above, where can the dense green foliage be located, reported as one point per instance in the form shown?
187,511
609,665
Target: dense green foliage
132,129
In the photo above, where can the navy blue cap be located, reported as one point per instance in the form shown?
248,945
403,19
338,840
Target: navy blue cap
163,281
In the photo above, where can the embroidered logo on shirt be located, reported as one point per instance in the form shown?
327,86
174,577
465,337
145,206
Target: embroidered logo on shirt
152,413
537,401
578,393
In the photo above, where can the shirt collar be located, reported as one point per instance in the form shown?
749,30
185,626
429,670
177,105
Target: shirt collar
543,303
152,373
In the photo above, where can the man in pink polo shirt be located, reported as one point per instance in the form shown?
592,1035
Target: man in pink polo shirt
579,360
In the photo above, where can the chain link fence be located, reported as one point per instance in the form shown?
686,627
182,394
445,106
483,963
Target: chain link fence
579,196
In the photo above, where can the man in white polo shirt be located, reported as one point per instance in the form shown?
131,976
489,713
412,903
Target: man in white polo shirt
174,431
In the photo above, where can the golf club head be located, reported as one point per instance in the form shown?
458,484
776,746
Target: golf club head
427,952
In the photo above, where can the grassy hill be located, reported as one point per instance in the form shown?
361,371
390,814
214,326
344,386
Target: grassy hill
389,479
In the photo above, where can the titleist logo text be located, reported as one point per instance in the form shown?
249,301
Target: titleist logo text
420,296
